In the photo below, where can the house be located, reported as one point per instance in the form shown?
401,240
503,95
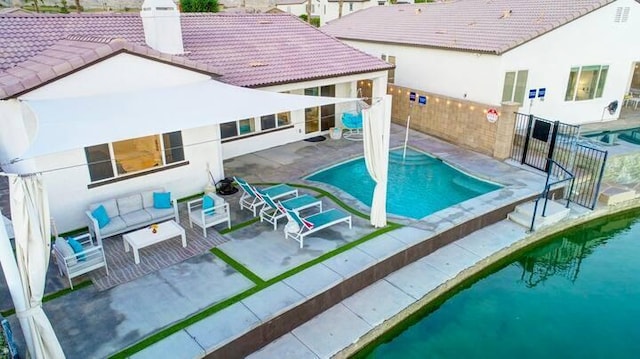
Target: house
51,58
581,53
325,10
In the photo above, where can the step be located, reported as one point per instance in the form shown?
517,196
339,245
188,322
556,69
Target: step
612,196
524,212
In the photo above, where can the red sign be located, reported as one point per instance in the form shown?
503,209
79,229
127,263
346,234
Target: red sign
492,115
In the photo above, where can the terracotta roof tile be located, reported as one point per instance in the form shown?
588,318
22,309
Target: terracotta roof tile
493,26
249,50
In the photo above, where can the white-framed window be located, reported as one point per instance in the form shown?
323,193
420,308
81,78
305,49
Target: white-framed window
391,74
115,159
586,82
515,85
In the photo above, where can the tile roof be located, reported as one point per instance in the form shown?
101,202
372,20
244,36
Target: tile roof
250,50
73,53
492,26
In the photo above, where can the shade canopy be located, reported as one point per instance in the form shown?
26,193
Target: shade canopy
69,123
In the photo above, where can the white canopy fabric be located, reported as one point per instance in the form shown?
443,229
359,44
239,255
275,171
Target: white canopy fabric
376,126
69,123
32,226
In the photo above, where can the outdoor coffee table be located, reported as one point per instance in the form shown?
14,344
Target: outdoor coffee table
145,237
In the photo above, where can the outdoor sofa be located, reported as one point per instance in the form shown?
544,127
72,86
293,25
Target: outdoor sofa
130,212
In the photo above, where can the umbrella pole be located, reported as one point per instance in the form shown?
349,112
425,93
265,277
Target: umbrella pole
12,275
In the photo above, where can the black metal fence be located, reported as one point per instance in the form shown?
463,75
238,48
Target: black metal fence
536,140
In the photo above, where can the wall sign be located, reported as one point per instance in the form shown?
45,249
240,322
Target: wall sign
532,93
412,97
422,100
492,115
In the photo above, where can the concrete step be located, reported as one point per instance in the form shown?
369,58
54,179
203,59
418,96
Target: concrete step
524,212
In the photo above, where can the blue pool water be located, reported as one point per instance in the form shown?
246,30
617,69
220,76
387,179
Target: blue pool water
575,297
418,185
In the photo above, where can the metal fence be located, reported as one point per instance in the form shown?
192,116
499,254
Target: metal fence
536,140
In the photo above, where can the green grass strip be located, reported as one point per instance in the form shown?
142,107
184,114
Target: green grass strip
239,226
237,266
238,297
52,296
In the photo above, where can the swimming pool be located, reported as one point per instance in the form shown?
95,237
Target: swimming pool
574,297
631,135
417,185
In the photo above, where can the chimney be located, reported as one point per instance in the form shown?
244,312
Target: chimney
161,23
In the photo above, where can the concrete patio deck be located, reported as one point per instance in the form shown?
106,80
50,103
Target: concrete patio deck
100,324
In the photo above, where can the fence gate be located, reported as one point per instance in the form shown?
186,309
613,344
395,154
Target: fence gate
536,140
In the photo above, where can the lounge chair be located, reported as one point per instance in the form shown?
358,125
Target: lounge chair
271,212
252,202
311,224
210,213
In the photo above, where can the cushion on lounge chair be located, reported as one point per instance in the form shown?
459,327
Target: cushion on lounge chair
65,249
322,218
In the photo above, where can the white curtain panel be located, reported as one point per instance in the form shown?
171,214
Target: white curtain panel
376,155
32,227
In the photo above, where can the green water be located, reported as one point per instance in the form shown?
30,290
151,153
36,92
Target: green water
576,297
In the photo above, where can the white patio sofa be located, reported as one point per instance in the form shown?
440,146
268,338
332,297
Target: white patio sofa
130,212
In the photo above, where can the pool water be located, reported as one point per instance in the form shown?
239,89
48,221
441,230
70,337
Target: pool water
611,137
575,297
418,185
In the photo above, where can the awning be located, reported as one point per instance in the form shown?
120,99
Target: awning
70,123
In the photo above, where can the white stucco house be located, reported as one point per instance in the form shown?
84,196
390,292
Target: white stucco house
584,53
326,10
79,58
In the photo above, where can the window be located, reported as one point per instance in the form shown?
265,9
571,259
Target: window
391,74
110,160
350,6
586,82
237,128
515,84
320,118
622,14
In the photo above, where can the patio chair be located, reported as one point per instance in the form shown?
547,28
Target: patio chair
74,261
303,227
252,202
208,211
352,122
271,212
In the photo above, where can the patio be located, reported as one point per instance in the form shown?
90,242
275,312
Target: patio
254,275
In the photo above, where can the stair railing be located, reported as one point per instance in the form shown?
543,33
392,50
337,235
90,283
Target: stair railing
547,188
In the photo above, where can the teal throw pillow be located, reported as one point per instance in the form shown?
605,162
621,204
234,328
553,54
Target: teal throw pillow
207,202
162,200
100,214
77,248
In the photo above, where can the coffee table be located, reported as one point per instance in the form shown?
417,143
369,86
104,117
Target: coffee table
145,237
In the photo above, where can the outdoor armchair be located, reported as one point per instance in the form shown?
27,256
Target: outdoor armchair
208,211
72,264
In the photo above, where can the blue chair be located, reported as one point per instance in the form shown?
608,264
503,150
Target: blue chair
311,224
352,122
271,212
251,201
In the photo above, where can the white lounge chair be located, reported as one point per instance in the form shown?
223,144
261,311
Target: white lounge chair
271,212
208,217
72,264
311,224
252,202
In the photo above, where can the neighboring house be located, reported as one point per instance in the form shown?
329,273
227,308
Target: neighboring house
582,52
62,56
325,10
